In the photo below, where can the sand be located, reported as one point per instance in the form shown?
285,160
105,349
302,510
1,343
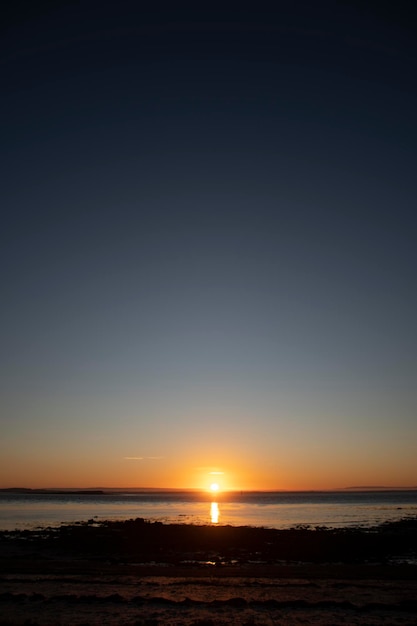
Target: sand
57,578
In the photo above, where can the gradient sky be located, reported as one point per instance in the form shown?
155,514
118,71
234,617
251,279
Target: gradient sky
208,246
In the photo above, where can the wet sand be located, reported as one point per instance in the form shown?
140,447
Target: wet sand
137,573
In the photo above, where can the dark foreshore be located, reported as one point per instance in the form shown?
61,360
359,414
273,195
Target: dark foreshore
137,573
148,543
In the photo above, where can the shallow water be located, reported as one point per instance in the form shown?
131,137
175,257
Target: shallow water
271,509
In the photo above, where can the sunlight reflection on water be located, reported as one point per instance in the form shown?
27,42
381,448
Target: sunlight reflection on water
276,510
214,513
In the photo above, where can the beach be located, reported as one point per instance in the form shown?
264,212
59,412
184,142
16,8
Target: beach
208,324
136,573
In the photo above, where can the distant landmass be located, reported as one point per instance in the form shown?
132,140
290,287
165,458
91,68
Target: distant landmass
378,488
95,492
90,491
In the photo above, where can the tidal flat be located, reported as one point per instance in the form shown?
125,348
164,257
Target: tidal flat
139,573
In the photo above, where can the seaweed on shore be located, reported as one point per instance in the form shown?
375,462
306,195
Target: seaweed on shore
142,541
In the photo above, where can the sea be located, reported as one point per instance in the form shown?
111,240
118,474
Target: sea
331,509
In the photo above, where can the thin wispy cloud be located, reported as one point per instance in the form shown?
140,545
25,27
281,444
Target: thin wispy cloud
142,458
209,470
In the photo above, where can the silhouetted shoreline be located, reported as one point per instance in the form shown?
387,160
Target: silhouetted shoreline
175,544
140,572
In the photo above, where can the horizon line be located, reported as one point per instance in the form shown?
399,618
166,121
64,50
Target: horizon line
231,490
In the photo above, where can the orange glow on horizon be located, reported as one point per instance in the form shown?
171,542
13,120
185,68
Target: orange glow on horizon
230,470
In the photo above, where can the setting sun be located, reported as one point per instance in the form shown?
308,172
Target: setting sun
214,487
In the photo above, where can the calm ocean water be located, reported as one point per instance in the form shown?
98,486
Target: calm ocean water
275,510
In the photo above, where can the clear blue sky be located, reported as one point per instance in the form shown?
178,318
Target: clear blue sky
208,247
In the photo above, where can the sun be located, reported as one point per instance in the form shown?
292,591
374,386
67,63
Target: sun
214,487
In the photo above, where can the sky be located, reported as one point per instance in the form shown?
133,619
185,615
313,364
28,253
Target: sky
208,253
